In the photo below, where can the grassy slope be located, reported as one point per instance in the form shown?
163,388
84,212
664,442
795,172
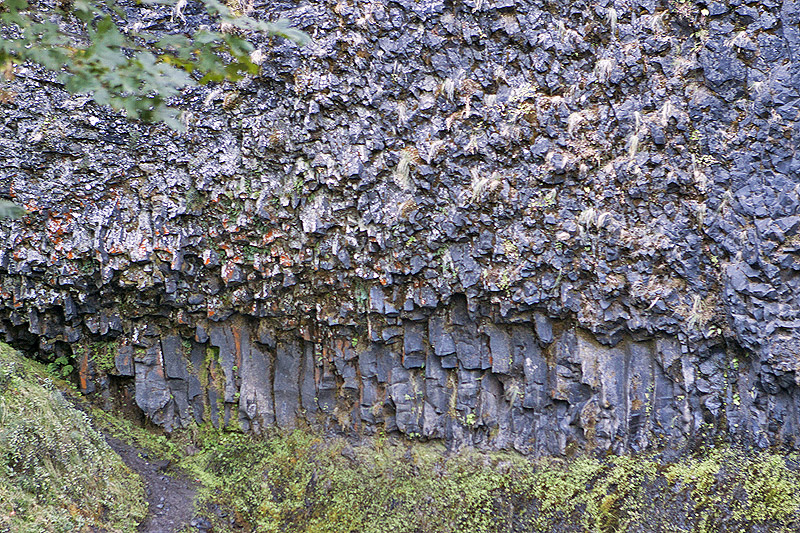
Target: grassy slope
302,482
56,472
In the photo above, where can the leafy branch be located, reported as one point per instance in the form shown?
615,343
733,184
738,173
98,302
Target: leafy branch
130,70
133,71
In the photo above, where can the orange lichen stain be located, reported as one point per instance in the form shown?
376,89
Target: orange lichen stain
285,260
227,272
270,236
55,227
83,371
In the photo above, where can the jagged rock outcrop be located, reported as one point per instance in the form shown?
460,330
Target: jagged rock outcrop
546,226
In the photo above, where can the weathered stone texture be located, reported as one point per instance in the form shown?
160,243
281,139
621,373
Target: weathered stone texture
536,225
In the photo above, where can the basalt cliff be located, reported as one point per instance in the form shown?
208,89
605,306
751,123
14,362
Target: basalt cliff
541,225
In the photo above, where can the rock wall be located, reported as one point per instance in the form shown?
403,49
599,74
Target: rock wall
541,225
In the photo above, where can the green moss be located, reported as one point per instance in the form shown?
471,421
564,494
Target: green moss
300,482
751,488
103,355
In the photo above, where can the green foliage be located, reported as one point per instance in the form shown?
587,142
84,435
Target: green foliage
749,488
56,472
102,355
154,442
130,70
61,367
10,210
133,71
302,482
470,419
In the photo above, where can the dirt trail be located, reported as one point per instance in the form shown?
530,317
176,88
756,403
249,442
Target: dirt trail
170,494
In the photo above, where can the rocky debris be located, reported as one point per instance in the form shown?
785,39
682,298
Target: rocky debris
494,223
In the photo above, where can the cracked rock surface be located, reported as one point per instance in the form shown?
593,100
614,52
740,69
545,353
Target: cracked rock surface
536,225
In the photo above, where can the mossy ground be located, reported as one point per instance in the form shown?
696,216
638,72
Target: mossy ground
56,472
58,476
304,482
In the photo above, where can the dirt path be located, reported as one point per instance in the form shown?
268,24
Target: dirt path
170,495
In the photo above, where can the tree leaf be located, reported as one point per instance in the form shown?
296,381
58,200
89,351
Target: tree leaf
283,29
134,74
11,210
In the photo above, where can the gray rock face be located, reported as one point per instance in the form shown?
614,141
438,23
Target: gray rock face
505,224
